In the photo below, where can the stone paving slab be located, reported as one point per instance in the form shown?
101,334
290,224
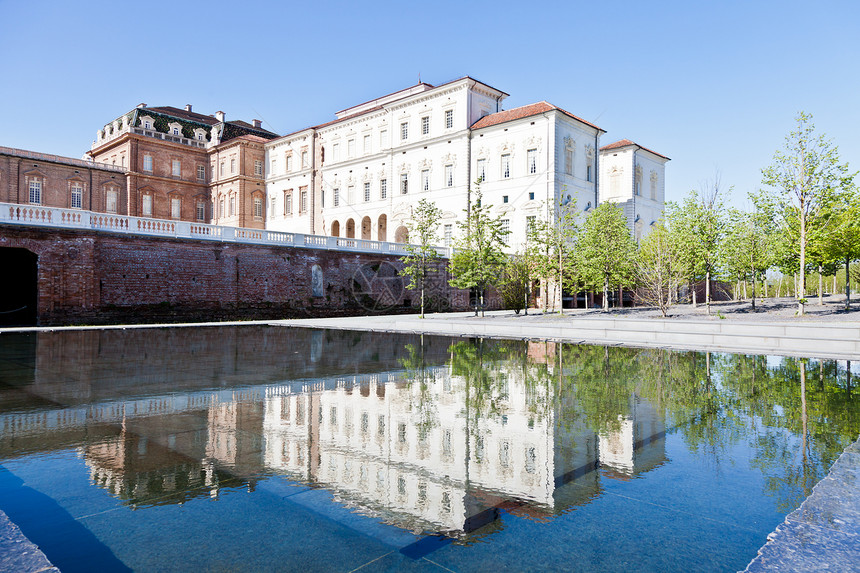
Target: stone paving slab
823,534
19,554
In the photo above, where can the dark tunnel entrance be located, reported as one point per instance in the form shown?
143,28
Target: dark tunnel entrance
19,287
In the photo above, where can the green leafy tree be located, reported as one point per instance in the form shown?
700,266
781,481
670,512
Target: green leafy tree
478,259
607,250
658,269
746,250
698,226
422,258
514,286
804,176
844,243
551,247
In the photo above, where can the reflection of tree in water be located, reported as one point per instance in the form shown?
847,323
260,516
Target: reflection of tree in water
797,416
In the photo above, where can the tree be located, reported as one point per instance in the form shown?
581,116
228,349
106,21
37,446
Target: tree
844,243
478,258
747,248
658,269
804,176
551,246
422,259
607,250
514,286
698,226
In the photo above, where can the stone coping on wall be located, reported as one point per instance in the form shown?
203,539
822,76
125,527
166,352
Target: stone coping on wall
56,217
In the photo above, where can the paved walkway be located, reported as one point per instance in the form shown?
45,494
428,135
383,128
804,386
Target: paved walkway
814,338
823,534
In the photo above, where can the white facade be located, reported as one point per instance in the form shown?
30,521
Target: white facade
635,178
370,167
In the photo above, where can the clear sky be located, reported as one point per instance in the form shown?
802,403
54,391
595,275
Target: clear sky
713,85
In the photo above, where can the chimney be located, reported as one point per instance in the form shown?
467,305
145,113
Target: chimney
188,107
257,123
141,105
219,115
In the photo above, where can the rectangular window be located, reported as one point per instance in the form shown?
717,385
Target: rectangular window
425,125
504,198
449,231
288,202
303,197
110,201
404,131
304,159
366,144
531,195
350,194
77,196
588,173
336,197
232,166
289,162
449,119
221,208
177,168
531,160
482,169
506,229
425,179
273,167
232,207
367,191
530,224
653,187
221,169
122,160
404,183
383,138
147,163
449,176
335,152
383,189
258,208
272,208
201,211
506,166
201,173
568,160
350,148
147,205
258,168
175,207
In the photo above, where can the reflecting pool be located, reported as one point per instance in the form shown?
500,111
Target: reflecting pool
266,448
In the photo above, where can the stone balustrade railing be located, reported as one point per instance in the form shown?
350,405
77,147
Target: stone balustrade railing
56,217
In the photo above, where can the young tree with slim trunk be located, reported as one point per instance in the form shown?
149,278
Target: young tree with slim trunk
747,247
478,258
551,245
422,259
804,176
658,269
607,251
844,238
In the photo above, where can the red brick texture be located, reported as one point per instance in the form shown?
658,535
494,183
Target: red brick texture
98,278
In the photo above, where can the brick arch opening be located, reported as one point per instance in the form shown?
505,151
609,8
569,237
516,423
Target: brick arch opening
365,228
335,229
350,229
18,298
401,235
382,228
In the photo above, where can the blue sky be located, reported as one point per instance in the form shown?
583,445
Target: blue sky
713,85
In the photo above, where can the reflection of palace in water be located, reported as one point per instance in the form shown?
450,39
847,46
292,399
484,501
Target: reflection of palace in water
425,450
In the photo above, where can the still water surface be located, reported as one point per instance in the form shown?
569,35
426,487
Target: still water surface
262,449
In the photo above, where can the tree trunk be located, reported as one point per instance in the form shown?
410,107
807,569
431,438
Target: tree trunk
764,286
693,293
605,293
779,287
820,286
833,290
708,290
847,283
746,296
753,292
802,286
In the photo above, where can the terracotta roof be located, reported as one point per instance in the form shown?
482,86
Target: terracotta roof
525,111
627,143
181,114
